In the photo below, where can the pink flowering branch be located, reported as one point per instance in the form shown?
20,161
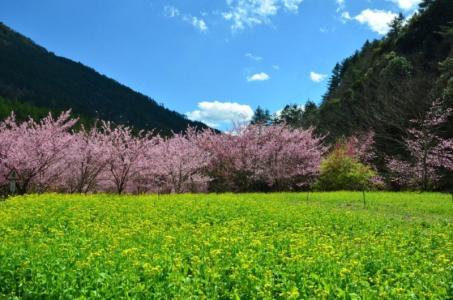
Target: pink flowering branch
429,152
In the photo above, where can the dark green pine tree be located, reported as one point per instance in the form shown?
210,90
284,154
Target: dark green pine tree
311,115
334,81
292,115
425,4
395,26
261,117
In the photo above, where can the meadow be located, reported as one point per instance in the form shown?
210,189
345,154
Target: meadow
228,246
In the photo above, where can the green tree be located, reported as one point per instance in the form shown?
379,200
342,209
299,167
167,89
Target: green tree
261,117
395,26
425,4
292,114
311,115
334,80
340,171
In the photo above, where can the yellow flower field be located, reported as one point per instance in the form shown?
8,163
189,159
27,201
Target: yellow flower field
264,246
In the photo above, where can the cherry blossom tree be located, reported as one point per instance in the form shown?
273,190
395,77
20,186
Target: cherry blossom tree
276,156
361,147
234,164
179,163
124,153
429,151
85,160
288,158
35,150
48,156
7,137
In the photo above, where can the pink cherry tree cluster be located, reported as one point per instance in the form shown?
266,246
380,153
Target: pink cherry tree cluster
258,157
179,164
429,152
36,151
49,155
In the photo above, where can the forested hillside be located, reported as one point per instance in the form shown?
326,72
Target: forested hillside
36,81
399,89
392,80
384,85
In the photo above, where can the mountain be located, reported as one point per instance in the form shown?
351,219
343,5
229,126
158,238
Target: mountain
393,80
34,81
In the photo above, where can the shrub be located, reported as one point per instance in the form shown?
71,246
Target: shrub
339,171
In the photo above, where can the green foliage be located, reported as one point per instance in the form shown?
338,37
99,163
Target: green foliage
392,80
340,171
38,79
444,84
292,114
249,246
398,67
395,26
24,110
311,115
261,116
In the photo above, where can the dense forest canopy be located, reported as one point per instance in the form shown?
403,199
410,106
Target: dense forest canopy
392,80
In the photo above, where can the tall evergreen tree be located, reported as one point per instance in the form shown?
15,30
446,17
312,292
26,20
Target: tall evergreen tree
395,26
425,4
334,80
292,115
311,115
261,116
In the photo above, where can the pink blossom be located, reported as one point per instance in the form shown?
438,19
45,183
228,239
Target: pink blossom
429,152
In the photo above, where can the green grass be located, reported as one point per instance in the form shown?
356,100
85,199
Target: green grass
227,246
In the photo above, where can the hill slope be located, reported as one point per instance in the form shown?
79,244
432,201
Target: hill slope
392,80
42,81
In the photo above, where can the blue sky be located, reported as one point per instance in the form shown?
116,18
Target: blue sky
214,60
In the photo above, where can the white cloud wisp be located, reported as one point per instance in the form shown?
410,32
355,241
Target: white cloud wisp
248,13
216,113
258,77
317,77
173,12
407,5
377,20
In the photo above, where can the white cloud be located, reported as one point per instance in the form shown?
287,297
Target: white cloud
248,13
276,67
292,5
407,4
216,113
317,77
341,5
345,16
341,9
199,24
173,12
253,57
378,20
258,77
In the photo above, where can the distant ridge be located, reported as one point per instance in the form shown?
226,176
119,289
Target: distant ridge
35,80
